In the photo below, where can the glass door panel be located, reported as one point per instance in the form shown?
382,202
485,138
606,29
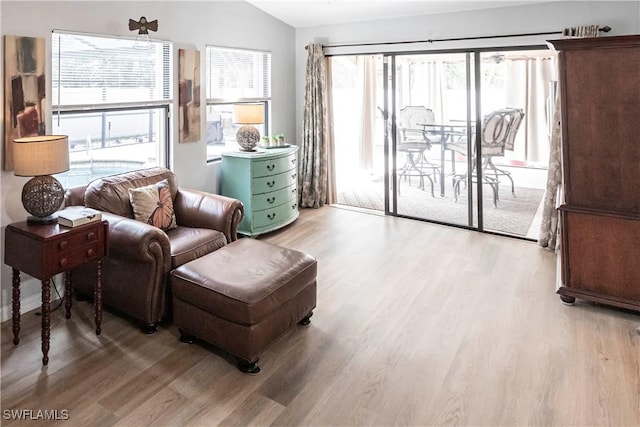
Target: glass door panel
431,100
358,130
517,89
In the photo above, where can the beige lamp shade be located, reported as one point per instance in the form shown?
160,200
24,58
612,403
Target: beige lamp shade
248,114
40,155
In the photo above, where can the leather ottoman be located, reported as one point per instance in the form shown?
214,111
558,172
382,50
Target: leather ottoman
244,296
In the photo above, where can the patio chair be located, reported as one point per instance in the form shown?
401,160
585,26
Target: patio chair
414,140
499,130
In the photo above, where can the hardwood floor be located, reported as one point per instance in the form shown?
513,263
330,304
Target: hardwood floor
416,324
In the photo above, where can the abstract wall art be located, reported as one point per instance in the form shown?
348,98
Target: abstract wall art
189,95
25,91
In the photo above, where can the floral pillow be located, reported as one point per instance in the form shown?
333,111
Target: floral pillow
152,204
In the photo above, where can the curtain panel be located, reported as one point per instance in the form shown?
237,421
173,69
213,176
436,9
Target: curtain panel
549,227
549,236
316,140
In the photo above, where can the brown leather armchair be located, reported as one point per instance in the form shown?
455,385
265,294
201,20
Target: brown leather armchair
135,272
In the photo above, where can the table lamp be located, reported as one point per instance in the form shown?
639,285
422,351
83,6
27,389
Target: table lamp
247,115
40,157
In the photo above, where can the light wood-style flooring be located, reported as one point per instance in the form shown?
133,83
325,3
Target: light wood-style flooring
416,324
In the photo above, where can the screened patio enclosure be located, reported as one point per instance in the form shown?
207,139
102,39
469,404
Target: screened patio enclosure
375,170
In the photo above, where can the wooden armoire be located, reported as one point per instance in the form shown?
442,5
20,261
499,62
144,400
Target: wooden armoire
599,82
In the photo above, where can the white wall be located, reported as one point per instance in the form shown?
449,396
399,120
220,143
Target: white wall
189,25
622,16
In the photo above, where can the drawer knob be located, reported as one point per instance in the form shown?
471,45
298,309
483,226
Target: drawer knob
293,161
63,245
293,191
271,167
293,176
271,215
91,252
271,183
91,236
63,262
271,199
294,206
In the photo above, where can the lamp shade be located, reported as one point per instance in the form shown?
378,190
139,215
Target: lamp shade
40,155
248,114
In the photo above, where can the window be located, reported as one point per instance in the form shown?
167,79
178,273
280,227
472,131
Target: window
111,96
234,76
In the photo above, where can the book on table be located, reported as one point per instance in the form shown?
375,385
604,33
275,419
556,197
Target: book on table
76,217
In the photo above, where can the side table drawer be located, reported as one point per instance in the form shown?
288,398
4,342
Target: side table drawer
275,198
268,184
275,216
82,245
273,166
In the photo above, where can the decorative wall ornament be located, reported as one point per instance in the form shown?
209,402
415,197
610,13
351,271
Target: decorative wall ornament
24,88
143,26
189,95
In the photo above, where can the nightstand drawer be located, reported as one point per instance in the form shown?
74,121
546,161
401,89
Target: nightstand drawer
273,166
269,184
275,216
83,244
270,200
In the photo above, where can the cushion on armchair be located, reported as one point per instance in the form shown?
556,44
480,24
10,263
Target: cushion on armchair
111,193
152,204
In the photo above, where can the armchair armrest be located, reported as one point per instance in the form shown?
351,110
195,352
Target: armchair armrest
199,209
135,240
74,196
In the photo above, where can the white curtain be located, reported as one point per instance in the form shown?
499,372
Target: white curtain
435,88
527,82
427,88
367,72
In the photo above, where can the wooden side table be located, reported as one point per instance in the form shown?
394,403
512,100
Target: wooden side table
42,251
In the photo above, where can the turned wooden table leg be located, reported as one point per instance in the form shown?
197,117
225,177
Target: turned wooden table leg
46,308
16,306
97,298
67,294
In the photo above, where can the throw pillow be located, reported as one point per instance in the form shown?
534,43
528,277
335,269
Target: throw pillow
152,204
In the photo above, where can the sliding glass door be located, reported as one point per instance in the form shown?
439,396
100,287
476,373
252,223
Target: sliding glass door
430,100
457,138
518,89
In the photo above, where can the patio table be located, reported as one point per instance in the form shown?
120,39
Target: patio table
446,131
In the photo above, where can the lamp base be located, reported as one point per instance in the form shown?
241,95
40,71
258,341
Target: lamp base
42,220
42,196
247,138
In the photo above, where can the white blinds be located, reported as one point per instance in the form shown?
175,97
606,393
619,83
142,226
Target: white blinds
237,74
94,70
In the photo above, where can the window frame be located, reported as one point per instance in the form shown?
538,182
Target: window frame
211,101
163,106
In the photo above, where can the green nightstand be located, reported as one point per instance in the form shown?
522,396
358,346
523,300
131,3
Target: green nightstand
266,182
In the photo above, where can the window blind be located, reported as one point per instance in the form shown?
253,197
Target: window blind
235,74
94,70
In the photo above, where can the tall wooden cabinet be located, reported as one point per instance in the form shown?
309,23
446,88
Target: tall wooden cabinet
600,216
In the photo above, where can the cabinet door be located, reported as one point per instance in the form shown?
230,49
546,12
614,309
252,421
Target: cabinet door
601,128
600,254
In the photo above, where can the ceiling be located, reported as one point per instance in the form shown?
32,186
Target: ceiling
308,13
